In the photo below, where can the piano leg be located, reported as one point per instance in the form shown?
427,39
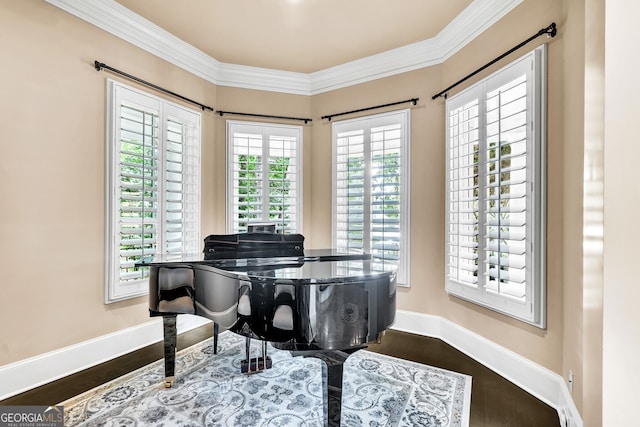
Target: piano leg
332,394
215,337
332,369
170,336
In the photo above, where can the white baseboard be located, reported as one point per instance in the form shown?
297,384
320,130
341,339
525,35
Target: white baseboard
35,371
535,379
542,383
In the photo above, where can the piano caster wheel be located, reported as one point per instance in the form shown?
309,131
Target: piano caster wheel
168,382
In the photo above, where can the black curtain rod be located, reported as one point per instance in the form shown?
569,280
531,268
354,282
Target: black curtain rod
100,65
550,31
305,120
330,116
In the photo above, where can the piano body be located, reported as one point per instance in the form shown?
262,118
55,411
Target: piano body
317,303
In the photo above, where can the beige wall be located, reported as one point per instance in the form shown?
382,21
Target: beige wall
573,27
52,114
52,169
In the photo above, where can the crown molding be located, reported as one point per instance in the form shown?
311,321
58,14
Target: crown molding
473,21
114,18
476,18
263,79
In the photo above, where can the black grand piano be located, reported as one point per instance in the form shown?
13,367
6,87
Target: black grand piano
314,303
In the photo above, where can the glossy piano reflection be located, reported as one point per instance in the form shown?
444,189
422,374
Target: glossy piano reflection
324,303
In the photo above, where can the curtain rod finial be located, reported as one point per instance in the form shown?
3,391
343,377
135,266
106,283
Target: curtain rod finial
551,30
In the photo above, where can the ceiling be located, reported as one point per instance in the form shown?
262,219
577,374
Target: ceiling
298,35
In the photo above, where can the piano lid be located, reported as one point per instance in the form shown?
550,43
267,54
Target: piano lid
316,266
201,258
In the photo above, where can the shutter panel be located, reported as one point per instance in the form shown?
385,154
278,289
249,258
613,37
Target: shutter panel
283,182
138,189
181,183
505,206
350,190
247,181
463,191
385,191
173,188
191,178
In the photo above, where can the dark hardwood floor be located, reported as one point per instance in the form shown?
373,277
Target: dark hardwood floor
494,400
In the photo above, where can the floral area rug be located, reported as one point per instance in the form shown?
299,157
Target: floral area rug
209,390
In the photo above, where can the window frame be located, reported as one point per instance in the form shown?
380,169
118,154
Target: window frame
366,123
533,309
265,130
118,95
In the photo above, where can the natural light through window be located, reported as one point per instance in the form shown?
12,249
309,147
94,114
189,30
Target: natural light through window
495,214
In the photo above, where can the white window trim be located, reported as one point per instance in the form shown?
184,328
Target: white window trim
404,265
533,311
264,129
115,290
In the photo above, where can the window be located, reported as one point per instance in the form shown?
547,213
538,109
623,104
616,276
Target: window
495,201
371,187
264,176
153,185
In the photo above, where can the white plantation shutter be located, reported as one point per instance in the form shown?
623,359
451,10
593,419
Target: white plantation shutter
137,225
153,186
495,201
386,164
247,181
462,203
182,183
371,166
284,180
505,190
264,176
350,202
